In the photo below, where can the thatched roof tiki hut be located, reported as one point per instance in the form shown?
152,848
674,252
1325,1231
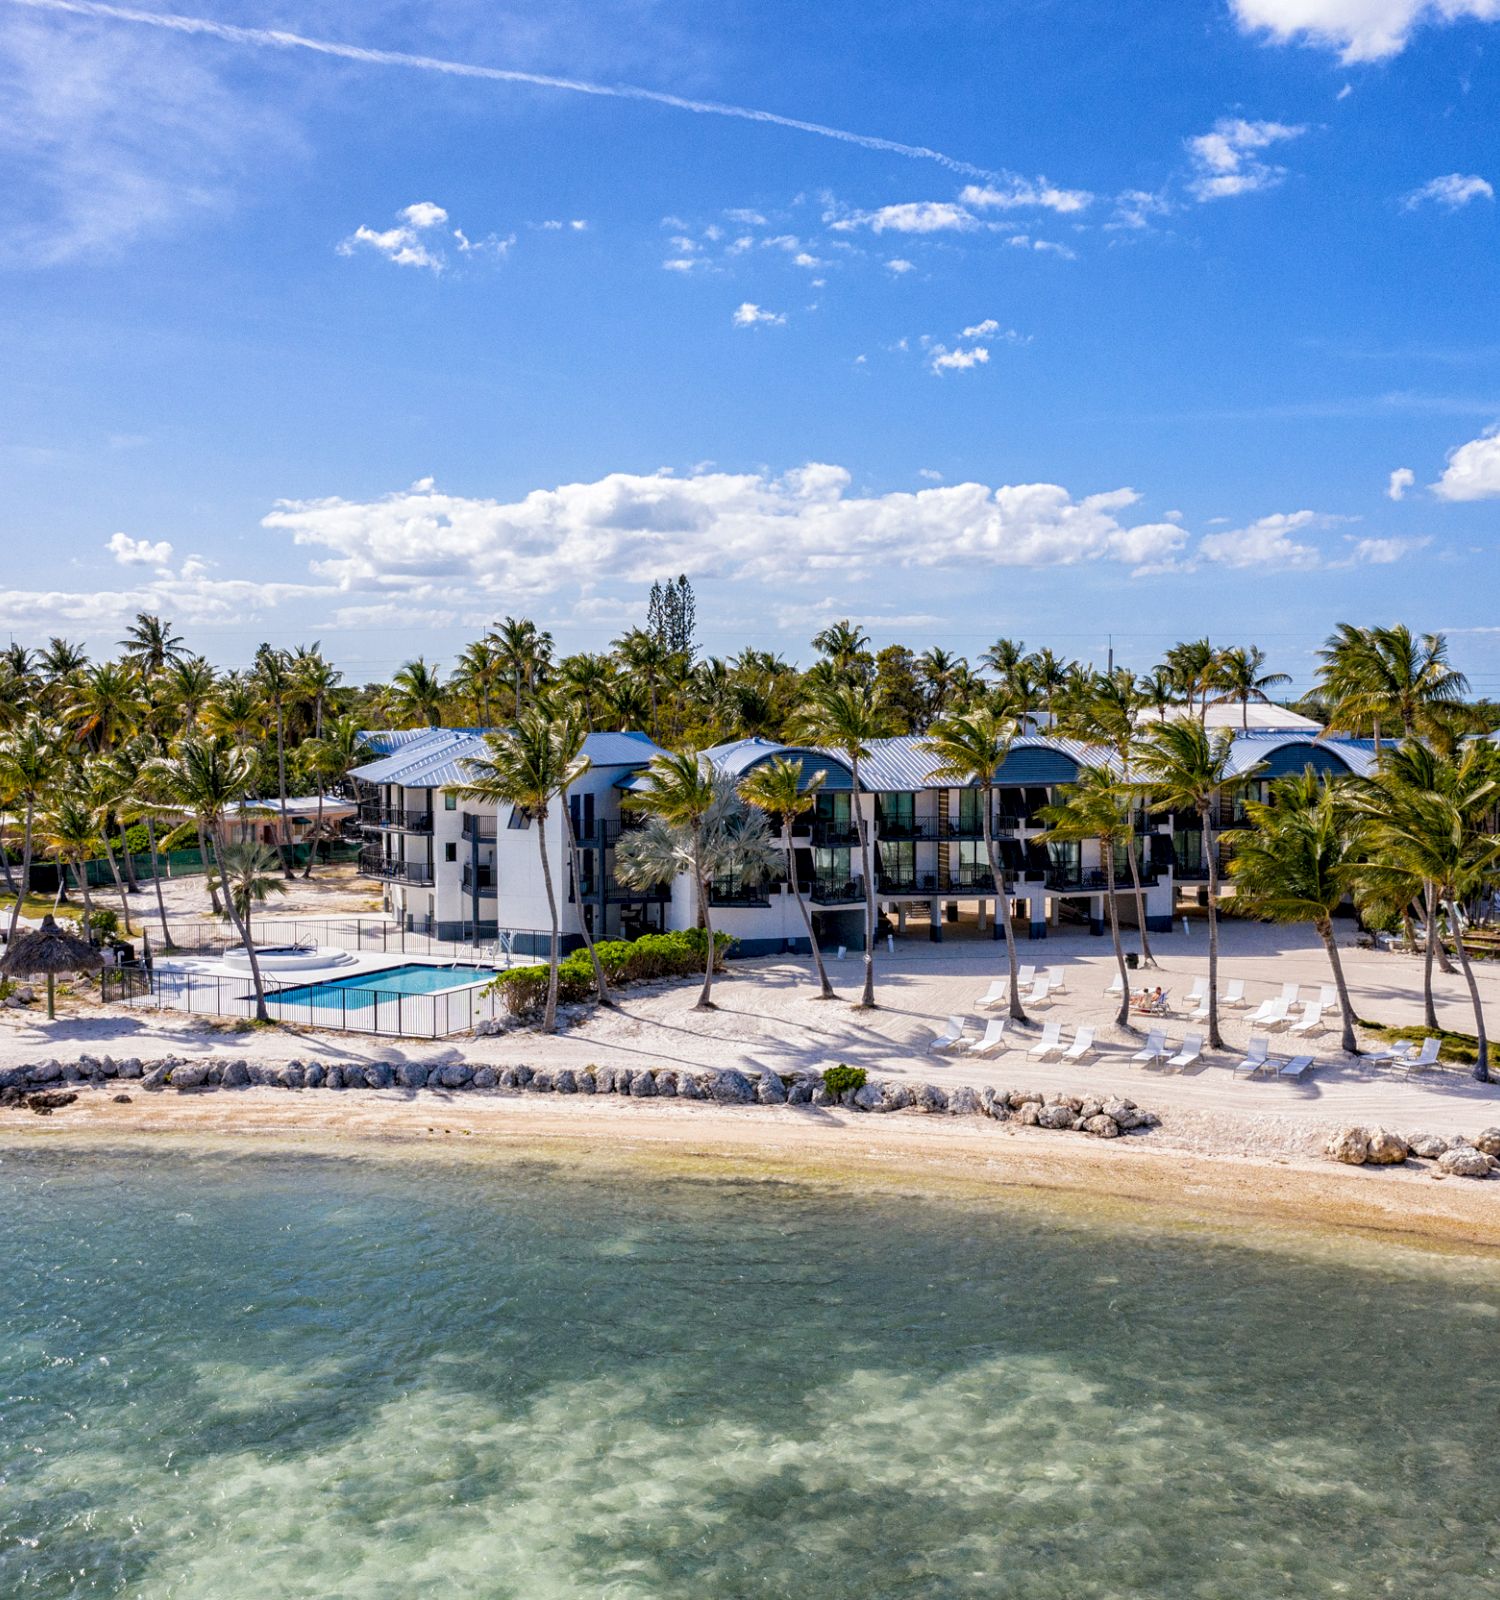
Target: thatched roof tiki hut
46,951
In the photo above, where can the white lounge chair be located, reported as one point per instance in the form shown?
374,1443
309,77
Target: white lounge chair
1082,1045
1328,997
1311,1020
1025,976
1191,1052
950,1036
1057,978
994,1037
1256,1059
997,994
1199,991
1290,992
1155,1048
1050,1042
1394,1055
1116,987
1234,995
1426,1057
1272,1014
1040,993
1295,1067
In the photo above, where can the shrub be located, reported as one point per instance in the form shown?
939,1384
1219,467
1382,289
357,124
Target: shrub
104,922
841,1079
625,961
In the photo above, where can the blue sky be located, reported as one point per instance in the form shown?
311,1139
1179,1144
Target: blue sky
305,343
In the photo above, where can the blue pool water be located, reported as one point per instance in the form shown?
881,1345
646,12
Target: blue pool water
363,989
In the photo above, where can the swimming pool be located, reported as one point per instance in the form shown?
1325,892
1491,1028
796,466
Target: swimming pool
366,989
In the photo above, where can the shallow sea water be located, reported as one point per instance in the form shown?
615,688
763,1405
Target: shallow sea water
293,1375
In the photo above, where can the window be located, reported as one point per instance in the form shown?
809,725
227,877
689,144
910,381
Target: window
519,818
970,810
898,864
450,852
450,800
833,809
897,812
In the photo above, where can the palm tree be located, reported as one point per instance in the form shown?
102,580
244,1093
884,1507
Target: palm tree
587,678
1050,674
1098,807
1296,862
524,769
1190,666
202,779
329,760
106,788
1238,676
274,676
250,871
106,707
846,717
569,735
777,788
71,835
137,801
28,760
478,675
1388,677
970,750
1436,835
1003,657
150,646
1108,713
523,651
696,823
419,692
642,652
1182,769
189,684
844,645
313,682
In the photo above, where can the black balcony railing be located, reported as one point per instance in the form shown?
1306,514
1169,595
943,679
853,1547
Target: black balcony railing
906,882
372,864
480,881
395,819
835,891
894,828
483,828
624,893
739,895
834,834
1077,880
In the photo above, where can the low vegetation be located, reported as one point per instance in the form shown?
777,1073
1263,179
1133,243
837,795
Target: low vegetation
625,961
840,1080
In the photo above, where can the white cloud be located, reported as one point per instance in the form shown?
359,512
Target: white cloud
931,474
1473,470
739,526
417,239
1225,160
912,216
1454,190
1381,552
558,225
899,265
960,360
138,552
400,245
982,330
746,219
803,259
1024,241
1267,542
1135,210
1020,193
1361,30
1400,481
750,315
424,214
683,263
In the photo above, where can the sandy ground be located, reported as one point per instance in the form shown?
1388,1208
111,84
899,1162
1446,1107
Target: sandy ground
767,1018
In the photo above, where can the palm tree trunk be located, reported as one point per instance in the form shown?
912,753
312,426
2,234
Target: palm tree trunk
81,868
1140,901
1482,1065
312,844
1439,948
131,881
549,1015
1215,1041
114,868
706,994
1108,851
15,910
1002,910
575,858
10,877
824,985
1429,1009
243,929
867,998
208,869
287,863
161,902
1347,1043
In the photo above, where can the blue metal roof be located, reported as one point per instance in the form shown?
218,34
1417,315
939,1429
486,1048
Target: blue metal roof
629,749
743,755
1281,753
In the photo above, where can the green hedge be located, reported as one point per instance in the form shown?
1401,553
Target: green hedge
625,961
841,1079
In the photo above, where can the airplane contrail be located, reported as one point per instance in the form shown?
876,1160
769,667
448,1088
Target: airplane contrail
279,39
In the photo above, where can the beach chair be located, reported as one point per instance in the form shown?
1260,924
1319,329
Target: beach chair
1393,1055
1234,995
1311,1020
997,994
1272,1014
1190,1053
1116,987
1290,992
994,1038
1025,977
1050,1042
1256,1059
1155,1047
1198,992
950,1036
1057,978
1426,1057
1295,1067
1082,1045
1040,993
1328,997
1200,1012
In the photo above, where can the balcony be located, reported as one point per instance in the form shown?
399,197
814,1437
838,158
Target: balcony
973,828
1092,880
902,828
906,882
836,892
834,835
746,895
395,820
482,828
618,893
480,882
374,865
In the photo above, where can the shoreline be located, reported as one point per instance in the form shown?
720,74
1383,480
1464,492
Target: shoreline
1144,1179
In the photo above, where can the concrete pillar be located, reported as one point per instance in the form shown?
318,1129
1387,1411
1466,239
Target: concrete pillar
1097,910
901,917
935,924
984,907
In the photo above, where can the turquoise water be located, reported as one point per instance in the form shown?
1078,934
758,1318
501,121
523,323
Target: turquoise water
365,989
229,1375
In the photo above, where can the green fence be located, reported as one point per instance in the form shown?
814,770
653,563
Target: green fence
188,863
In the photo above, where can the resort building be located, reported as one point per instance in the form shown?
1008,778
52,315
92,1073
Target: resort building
459,870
